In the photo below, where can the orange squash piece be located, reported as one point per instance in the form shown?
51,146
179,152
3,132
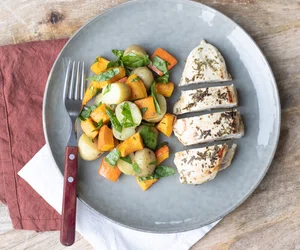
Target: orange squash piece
99,65
131,144
165,89
105,139
89,127
166,124
163,54
138,89
99,114
162,154
109,172
99,85
91,91
147,104
145,184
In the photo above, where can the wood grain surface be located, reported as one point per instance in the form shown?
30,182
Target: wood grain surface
270,218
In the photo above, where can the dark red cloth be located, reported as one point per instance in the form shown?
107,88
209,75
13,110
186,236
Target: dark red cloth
24,70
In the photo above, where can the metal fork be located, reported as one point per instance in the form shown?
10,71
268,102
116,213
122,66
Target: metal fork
73,95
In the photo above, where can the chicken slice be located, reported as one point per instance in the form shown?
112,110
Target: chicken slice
206,99
209,127
204,64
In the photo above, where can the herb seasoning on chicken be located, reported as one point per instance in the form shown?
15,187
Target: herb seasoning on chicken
196,166
204,64
209,127
205,99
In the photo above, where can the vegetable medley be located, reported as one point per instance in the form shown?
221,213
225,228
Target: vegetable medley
124,110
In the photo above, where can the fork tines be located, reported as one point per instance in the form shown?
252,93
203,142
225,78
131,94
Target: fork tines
74,82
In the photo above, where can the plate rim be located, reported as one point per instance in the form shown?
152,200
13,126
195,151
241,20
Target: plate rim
278,120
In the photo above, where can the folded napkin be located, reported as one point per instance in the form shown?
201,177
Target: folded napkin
101,233
24,70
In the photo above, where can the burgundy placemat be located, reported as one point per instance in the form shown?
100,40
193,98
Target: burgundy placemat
24,70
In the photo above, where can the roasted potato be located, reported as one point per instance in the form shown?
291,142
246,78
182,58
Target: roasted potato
126,167
146,76
163,108
134,110
98,99
135,49
116,93
126,133
146,160
88,149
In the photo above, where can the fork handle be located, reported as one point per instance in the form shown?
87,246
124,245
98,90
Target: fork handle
68,219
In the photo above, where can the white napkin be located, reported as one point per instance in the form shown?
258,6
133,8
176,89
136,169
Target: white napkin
42,174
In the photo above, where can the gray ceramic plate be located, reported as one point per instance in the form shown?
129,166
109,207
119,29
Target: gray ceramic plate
178,26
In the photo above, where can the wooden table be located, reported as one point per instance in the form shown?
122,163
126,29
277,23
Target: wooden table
270,218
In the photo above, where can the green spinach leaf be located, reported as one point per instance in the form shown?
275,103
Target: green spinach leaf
136,168
114,121
127,121
118,53
113,157
86,112
96,60
134,61
143,110
160,64
128,71
148,124
98,125
118,62
163,171
126,159
160,172
105,76
150,177
153,93
112,64
136,79
164,78
149,137
107,89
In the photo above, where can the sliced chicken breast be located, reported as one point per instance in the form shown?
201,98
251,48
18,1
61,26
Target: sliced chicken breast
206,99
209,127
196,166
204,64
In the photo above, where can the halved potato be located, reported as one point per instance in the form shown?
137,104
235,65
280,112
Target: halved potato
163,108
135,49
126,167
98,99
146,76
88,149
146,160
116,93
126,133
134,110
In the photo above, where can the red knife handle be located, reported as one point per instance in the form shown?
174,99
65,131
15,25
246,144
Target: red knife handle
68,217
